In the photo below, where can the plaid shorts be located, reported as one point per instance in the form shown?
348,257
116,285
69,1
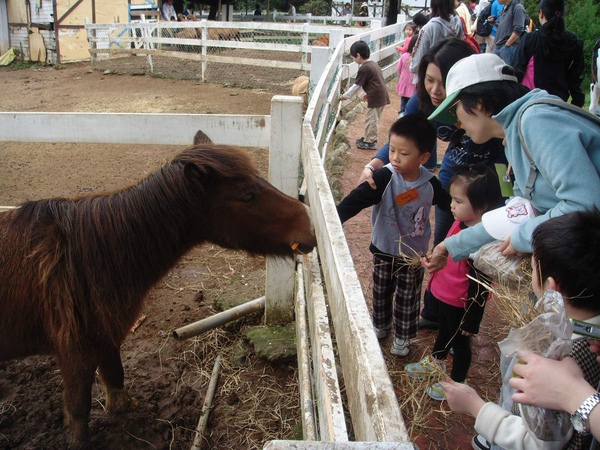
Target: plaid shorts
396,295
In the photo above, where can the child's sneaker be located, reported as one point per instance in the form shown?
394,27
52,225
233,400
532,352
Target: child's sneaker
424,368
436,392
479,443
382,332
400,347
364,145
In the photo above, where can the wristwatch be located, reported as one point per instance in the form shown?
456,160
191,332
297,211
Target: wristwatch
579,418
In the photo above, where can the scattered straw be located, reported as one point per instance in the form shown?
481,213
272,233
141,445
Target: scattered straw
254,407
513,300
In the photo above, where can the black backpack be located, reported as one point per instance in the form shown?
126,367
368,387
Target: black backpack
472,13
484,28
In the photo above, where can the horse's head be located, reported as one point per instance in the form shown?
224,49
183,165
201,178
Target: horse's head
241,209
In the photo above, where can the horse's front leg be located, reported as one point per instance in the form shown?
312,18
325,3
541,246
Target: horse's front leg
113,378
78,371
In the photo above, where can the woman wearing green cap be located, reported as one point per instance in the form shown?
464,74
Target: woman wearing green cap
553,152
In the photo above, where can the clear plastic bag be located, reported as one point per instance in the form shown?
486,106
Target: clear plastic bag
507,270
549,335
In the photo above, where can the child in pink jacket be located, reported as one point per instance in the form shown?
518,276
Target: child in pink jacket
405,88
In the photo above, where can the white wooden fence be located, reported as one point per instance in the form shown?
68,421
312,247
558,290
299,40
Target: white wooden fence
332,286
206,45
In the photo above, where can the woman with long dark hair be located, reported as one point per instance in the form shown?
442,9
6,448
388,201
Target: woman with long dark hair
551,58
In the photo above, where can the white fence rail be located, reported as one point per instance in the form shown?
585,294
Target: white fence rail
244,53
372,402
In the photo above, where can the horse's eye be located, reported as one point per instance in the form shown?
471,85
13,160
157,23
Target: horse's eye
247,198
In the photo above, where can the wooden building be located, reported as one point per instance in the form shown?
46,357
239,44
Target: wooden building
52,31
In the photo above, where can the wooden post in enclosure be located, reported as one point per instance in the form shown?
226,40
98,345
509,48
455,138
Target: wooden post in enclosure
284,169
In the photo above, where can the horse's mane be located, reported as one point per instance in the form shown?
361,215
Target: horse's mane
87,247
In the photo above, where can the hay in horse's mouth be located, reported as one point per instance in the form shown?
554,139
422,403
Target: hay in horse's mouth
301,249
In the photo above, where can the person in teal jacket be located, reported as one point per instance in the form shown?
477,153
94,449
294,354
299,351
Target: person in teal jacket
483,94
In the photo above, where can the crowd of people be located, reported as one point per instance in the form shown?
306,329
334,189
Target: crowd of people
501,103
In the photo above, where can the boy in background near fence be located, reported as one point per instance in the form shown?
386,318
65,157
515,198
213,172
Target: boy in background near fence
370,79
565,250
401,230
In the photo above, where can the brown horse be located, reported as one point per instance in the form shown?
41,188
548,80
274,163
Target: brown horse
74,272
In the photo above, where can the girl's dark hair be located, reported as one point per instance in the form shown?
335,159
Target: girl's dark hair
442,8
420,19
411,44
482,186
566,249
444,55
493,96
554,11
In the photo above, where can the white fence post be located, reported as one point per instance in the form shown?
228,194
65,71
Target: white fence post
284,166
376,25
305,31
335,37
318,61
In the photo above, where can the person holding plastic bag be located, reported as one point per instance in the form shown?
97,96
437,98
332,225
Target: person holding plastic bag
558,385
565,267
553,151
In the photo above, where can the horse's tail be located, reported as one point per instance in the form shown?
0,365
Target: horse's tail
45,225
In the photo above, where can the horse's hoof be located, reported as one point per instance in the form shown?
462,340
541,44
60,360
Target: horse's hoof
118,401
78,437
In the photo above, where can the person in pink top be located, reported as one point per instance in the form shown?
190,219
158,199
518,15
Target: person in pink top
405,88
410,30
475,190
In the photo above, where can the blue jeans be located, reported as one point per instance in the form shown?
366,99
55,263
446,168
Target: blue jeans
403,102
507,53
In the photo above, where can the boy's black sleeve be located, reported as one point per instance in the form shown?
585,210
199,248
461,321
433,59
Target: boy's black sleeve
477,298
441,197
364,196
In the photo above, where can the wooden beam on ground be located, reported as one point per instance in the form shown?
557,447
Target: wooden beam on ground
206,407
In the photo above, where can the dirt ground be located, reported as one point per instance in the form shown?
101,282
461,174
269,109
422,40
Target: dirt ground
255,401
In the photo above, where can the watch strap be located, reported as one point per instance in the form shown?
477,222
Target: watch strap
583,413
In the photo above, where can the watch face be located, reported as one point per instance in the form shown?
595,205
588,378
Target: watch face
578,423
